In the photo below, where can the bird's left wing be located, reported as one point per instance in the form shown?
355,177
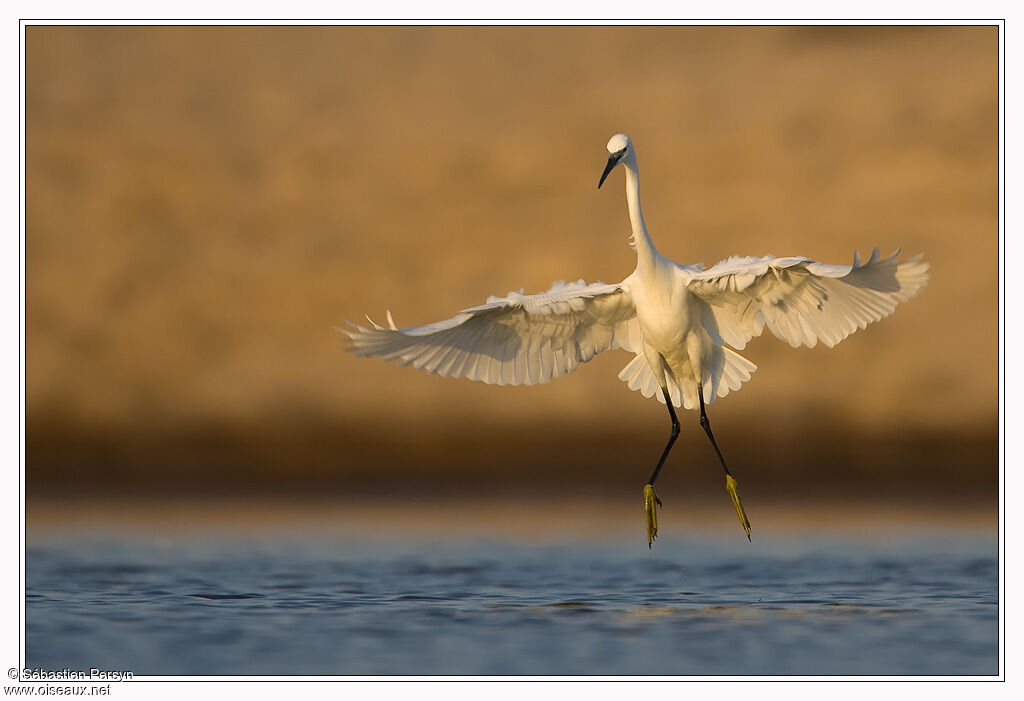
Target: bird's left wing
513,340
802,301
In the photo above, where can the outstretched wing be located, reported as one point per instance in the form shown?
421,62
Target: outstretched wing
514,340
801,301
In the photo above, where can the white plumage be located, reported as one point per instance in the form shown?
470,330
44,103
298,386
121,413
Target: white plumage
514,340
532,339
681,322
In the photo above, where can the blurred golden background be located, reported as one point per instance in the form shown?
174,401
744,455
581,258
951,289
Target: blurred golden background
206,204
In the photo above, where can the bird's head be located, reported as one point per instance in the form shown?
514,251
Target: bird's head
620,148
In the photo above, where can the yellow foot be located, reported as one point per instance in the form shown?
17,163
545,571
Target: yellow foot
730,485
651,504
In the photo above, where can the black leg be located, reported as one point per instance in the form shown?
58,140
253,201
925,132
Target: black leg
671,438
651,500
705,423
730,481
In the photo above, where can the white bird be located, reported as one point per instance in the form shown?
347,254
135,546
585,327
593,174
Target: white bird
682,322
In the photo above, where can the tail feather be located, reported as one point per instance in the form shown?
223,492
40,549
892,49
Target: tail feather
727,372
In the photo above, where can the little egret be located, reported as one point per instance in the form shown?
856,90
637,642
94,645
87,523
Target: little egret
682,322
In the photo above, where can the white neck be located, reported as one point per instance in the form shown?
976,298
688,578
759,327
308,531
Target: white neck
646,253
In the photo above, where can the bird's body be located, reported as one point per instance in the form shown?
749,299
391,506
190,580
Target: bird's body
681,322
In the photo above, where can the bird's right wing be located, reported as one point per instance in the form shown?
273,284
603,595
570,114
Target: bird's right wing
513,340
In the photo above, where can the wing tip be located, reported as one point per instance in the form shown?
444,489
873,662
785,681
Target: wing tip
352,333
913,275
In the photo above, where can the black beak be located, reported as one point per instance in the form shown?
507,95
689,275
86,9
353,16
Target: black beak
612,162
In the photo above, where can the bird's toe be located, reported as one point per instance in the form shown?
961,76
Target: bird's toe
651,504
734,492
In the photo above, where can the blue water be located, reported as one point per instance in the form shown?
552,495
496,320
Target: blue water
222,603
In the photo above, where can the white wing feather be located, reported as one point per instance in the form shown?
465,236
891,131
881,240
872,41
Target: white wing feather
531,339
802,301
514,340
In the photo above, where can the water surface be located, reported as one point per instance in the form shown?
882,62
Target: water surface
346,602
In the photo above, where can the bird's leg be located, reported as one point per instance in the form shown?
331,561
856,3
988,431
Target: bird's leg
651,500
730,481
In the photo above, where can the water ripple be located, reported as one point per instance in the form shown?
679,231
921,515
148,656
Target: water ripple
507,608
